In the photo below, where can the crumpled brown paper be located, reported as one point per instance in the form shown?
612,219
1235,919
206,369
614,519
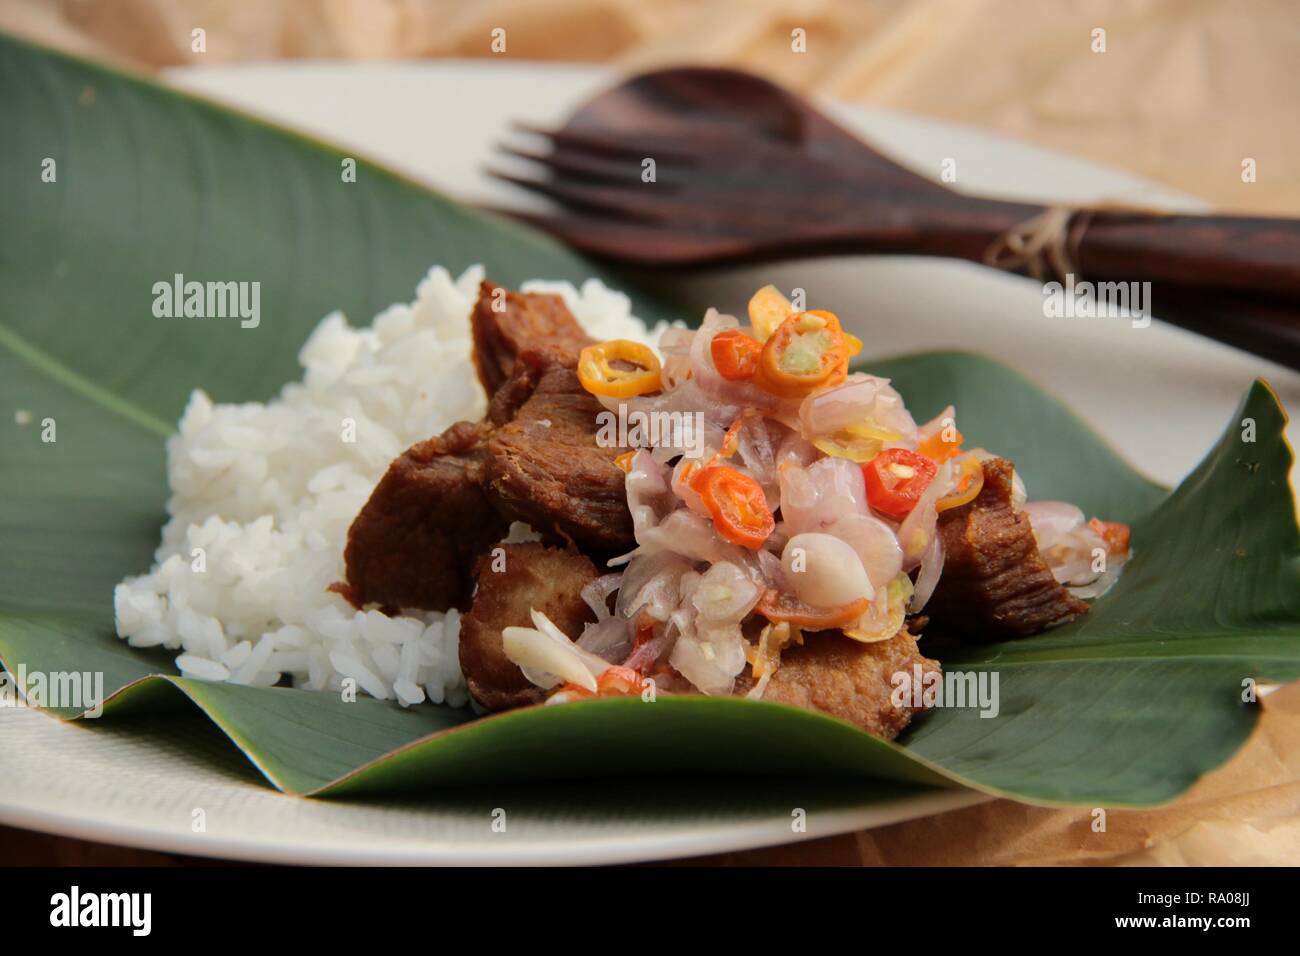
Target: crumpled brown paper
1246,813
1183,94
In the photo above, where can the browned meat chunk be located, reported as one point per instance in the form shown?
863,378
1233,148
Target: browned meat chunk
446,500
545,467
512,581
995,584
506,323
414,542
847,679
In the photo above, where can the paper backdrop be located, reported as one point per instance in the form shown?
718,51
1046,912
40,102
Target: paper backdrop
1184,93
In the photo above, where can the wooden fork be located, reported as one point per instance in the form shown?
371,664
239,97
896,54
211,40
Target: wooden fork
699,166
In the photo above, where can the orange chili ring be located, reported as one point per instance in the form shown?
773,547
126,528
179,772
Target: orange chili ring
941,449
970,481
737,505
735,355
731,438
768,308
729,446
618,680
806,352
778,608
600,376
1114,533
615,681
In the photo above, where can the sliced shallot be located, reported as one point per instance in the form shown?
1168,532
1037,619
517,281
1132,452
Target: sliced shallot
547,657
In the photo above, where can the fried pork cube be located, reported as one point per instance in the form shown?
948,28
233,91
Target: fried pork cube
511,582
995,584
506,323
533,459
844,678
545,467
428,519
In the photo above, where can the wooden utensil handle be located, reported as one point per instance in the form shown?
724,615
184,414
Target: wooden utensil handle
1267,327
1234,278
1249,254
1254,255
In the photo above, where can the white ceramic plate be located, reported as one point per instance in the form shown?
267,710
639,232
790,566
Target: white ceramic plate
1161,395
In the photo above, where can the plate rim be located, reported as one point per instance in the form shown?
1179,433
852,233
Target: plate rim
606,849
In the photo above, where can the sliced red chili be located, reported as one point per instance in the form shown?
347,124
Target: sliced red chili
1114,533
618,680
735,355
895,480
778,607
737,505
643,630
939,448
615,681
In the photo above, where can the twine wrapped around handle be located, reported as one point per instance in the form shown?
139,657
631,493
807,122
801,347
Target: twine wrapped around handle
1048,243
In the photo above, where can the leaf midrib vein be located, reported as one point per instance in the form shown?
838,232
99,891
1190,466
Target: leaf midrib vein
56,370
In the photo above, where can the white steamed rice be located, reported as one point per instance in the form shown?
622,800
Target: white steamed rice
263,494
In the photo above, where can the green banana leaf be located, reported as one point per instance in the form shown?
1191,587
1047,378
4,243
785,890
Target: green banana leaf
1126,706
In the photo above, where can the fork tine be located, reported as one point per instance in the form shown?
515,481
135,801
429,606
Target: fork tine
650,244
570,163
653,146
609,198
